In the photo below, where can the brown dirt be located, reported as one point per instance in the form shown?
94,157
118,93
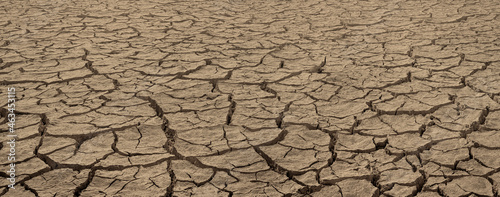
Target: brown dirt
252,97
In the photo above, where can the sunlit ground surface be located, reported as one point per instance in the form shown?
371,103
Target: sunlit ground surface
252,98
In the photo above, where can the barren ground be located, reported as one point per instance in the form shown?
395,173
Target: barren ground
252,97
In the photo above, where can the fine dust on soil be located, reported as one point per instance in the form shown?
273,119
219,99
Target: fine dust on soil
252,97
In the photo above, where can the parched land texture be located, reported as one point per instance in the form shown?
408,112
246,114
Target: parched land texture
323,98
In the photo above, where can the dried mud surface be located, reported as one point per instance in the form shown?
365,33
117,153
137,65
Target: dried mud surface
252,98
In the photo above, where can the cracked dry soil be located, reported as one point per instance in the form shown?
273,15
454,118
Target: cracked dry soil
252,98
